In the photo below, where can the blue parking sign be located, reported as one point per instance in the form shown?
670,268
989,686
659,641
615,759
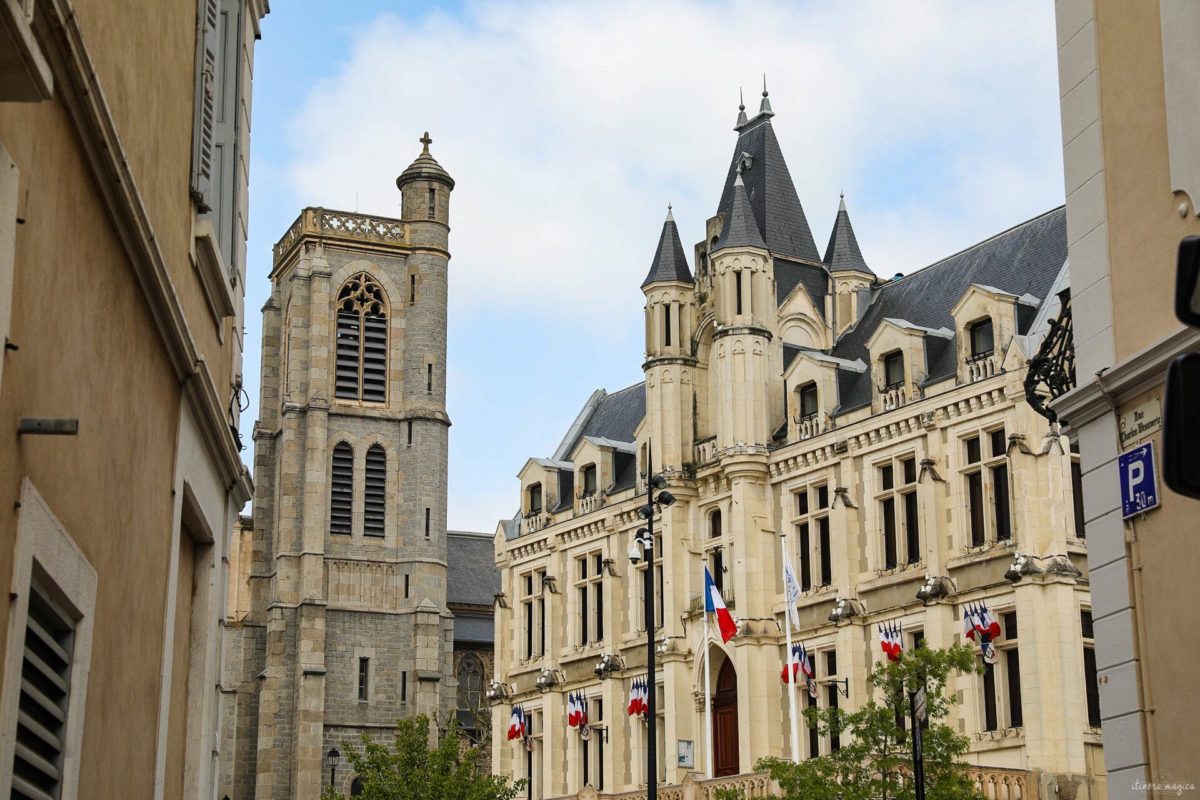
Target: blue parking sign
1139,483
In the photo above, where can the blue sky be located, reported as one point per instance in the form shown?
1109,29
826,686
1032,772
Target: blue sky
569,126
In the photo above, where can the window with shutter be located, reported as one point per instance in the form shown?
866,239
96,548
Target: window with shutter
42,708
361,349
341,490
207,51
374,491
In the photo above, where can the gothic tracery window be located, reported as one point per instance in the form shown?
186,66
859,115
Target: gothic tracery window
361,348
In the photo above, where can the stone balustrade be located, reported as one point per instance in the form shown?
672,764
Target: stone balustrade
982,366
807,427
340,224
893,397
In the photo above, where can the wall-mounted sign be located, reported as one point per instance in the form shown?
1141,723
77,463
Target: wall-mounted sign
1140,422
685,752
1139,482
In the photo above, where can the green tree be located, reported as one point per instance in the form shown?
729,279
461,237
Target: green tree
875,758
412,770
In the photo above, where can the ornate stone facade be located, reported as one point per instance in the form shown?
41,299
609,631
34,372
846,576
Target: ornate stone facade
874,430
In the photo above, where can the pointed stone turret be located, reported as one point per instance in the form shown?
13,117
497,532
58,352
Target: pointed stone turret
764,108
742,118
670,263
424,168
740,228
842,253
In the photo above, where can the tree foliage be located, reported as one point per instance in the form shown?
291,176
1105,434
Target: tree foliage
874,761
412,770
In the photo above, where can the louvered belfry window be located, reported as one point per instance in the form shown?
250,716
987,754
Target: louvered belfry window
341,489
45,695
374,491
361,351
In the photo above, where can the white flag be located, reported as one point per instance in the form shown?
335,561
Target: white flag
791,590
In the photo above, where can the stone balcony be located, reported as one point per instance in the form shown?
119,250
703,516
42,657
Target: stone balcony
982,366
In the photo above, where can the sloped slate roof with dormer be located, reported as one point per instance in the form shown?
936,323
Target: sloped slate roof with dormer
1023,260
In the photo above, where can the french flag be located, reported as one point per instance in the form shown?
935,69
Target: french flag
516,724
572,710
714,603
637,698
968,625
797,663
991,624
889,641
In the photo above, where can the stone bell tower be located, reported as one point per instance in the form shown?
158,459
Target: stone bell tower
348,629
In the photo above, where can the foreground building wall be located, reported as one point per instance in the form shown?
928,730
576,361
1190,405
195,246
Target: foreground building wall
877,431
122,265
1128,82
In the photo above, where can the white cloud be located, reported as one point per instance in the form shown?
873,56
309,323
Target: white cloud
570,125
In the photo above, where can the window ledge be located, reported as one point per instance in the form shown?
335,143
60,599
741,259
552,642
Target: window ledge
210,267
581,652
891,577
984,552
1000,739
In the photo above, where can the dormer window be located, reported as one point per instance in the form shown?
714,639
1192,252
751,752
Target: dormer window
808,400
535,500
982,341
589,480
893,370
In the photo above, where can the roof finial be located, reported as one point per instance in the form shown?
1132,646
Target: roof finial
670,216
741,100
426,141
742,118
765,107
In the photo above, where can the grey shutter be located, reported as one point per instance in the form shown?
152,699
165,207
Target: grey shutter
207,51
375,491
44,698
374,372
346,358
341,489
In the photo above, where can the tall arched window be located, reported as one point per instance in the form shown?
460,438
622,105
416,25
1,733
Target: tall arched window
374,491
361,358
341,489
470,682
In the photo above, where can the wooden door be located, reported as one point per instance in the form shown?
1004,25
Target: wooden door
725,723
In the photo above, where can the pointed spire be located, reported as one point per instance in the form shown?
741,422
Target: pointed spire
740,229
764,109
670,263
742,118
842,253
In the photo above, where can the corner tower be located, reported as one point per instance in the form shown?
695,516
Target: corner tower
670,364
348,628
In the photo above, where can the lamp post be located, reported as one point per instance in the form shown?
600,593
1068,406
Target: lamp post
643,547
331,759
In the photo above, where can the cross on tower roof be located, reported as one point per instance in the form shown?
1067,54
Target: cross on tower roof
425,140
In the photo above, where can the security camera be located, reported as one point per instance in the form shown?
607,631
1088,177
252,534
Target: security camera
635,554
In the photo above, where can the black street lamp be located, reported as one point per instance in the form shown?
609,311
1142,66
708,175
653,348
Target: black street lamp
331,760
643,547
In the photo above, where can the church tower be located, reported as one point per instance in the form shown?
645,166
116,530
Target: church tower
348,629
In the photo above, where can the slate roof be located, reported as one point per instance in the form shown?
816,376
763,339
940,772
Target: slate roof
670,263
1023,260
777,210
617,415
790,273
740,229
471,575
842,251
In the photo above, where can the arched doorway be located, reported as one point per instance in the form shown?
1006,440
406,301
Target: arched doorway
725,722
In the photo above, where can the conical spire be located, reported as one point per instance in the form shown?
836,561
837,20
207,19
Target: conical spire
742,118
842,253
670,263
740,229
764,108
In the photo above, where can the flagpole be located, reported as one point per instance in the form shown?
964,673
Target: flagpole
787,620
708,751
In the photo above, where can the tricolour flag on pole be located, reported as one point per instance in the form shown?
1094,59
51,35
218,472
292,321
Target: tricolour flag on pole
638,702
791,669
791,590
714,604
991,624
968,625
890,641
572,710
516,724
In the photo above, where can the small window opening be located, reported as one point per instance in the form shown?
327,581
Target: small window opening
364,673
982,343
427,523
893,370
433,203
